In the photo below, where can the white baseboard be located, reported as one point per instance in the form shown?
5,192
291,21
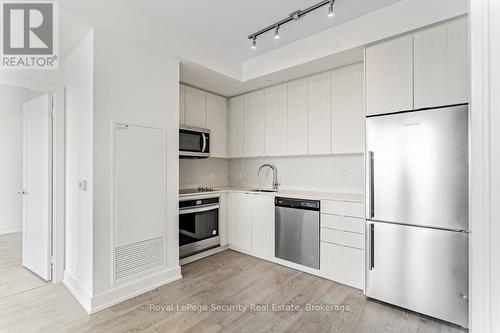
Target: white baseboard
5,231
134,288
80,293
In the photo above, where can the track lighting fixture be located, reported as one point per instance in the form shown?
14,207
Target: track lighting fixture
295,16
277,32
330,9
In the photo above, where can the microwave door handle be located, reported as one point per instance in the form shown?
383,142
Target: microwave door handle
204,142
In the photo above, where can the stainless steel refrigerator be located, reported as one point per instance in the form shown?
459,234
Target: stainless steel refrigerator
417,211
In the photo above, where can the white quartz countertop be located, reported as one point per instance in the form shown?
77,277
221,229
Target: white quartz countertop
315,195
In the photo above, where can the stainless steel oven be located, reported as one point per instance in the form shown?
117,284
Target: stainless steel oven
198,225
194,142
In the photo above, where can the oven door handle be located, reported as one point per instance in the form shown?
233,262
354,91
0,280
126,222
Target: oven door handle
198,209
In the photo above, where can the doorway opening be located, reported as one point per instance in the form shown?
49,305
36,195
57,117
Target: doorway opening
26,194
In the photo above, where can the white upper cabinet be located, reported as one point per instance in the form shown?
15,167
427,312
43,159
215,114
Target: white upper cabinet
320,114
236,126
182,104
389,76
217,123
442,65
275,121
196,107
348,109
297,128
255,124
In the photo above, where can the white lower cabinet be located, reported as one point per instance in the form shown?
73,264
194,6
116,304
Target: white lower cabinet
263,225
251,221
343,264
224,226
240,212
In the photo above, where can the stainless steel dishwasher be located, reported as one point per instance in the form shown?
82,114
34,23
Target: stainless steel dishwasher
297,231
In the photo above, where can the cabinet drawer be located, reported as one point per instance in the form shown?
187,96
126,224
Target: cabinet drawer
343,264
344,223
344,208
343,238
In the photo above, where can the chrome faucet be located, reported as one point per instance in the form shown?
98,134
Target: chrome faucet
275,174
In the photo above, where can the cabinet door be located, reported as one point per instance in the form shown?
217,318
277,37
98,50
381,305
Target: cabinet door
236,126
263,225
343,264
240,221
297,117
276,116
254,124
217,124
320,114
389,76
442,65
182,104
196,107
348,110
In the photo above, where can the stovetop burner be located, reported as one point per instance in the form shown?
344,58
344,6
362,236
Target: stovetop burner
196,190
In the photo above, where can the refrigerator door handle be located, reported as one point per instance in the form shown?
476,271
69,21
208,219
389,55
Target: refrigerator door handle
371,185
372,246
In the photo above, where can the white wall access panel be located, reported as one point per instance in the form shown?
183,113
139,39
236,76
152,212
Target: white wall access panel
139,198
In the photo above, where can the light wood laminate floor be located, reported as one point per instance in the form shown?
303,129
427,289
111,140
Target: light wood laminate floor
14,278
225,278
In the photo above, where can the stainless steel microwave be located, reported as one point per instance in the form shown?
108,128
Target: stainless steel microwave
194,142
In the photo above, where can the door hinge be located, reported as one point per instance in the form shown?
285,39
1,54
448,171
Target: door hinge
51,114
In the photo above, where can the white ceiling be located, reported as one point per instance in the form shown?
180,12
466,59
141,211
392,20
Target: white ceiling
202,77
227,23
73,29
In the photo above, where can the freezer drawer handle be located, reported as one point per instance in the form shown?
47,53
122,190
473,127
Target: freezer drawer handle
372,246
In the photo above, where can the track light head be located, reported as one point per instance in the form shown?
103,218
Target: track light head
277,32
254,43
330,9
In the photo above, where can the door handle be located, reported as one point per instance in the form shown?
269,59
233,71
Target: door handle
204,142
22,192
372,246
371,185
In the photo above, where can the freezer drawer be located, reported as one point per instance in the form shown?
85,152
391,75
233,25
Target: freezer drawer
420,269
418,168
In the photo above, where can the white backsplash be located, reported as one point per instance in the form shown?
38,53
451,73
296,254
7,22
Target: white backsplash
203,172
334,173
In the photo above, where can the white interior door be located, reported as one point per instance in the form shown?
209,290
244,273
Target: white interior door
37,186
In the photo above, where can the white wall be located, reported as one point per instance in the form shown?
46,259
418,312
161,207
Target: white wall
136,85
333,173
11,150
204,172
485,167
79,123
